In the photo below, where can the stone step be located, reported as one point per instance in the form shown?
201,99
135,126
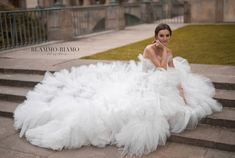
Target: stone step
222,81
12,146
223,85
20,80
225,118
23,71
7,108
207,136
16,94
223,76
179,150
225,97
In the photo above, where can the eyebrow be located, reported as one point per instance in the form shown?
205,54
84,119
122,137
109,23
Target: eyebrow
163,34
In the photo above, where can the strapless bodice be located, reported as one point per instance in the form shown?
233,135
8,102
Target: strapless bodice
148,64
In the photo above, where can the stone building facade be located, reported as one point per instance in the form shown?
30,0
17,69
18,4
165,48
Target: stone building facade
197,11
212,11
23,4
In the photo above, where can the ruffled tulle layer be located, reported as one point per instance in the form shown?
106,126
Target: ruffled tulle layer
132,105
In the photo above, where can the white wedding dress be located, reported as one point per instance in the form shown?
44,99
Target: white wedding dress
133,105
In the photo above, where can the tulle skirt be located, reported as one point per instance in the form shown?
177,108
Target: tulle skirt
130,105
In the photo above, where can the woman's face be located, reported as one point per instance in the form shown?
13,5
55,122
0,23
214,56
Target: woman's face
164,36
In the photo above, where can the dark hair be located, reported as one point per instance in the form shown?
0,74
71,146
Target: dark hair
160,27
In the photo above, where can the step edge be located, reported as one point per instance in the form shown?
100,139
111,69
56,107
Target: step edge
202,142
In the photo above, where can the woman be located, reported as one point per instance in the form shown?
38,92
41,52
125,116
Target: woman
134,105
158,53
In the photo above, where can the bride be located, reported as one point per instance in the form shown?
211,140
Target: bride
134,105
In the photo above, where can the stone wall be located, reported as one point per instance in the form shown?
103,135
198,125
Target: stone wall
203,11
133,9
212,11
229,11
67,22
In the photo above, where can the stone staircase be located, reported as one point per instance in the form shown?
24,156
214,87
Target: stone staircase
216,131
14,85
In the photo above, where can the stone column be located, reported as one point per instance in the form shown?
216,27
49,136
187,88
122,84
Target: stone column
93,2
23,4
108,1
66,2
229,11
219,17
187,14
45,3
146,11
132,1
86,2
115,17
121,17
59,24
167,7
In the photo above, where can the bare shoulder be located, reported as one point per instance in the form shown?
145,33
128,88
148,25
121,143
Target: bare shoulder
149,47
148,51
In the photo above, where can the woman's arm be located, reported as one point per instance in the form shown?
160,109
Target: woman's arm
166,52
171,64
164,61
170,60
150,54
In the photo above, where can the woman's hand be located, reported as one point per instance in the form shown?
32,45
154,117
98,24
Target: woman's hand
159,44
165,48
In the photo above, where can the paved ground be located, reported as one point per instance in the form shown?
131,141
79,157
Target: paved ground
12,146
